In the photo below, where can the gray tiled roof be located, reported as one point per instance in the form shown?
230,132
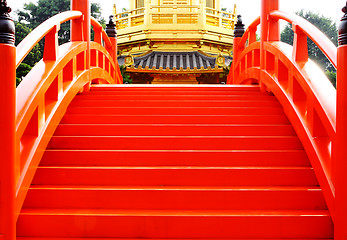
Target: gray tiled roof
178,60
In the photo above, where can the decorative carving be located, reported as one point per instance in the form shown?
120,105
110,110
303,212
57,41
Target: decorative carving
343,28
239,27
7,28
111,29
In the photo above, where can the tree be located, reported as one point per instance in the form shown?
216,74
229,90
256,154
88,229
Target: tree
326,25
22,30
33,15
22,71
126,76
332,77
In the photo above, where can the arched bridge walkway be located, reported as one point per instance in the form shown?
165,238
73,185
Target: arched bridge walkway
83,156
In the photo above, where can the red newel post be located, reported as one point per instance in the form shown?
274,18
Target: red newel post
7,124
269,29
80,30
341,133
238,34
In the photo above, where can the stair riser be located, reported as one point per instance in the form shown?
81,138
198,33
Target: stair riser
175,111
190,91
123,96
175,177
178,92
181,88
213,227
174,158
181,199
173,103
175,143
173,130
35,238
182,119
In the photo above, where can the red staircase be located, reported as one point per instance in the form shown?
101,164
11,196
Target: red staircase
175,163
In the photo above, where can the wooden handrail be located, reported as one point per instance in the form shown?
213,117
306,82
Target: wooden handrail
41,31
319,38
305,92
252,27
97,25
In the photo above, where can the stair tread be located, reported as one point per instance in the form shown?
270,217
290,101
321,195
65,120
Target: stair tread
175,150
70,238
75,157
125,212
179,188
186,137
175,168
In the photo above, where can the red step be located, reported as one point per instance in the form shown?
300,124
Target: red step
176,176
173,97
174,130
180,198
245,89
176,142
170,162
172,224
220,158
35,238
212,102
173,119
176,110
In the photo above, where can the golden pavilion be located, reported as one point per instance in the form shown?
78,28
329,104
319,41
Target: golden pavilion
175,41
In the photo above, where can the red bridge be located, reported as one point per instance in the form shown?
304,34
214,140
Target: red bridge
83,156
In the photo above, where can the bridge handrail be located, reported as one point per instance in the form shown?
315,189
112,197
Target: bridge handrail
319,38
29,42
100,34
249,33
308,97
47,90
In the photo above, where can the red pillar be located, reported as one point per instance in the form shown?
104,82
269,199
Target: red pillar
269,29
340,219
80,30
7,125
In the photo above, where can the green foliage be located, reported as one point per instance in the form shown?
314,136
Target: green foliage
326,25
33,14
332,77
22,30
126,77
22,71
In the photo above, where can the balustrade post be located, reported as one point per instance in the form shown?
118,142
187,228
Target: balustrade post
237,49
203,18
147,12
7,124
112,34
269,30
340,168
76,27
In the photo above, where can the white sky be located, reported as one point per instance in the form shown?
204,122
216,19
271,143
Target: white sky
249,9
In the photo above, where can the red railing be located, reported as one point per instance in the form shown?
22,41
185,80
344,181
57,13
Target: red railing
307,96
36,107
45,93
